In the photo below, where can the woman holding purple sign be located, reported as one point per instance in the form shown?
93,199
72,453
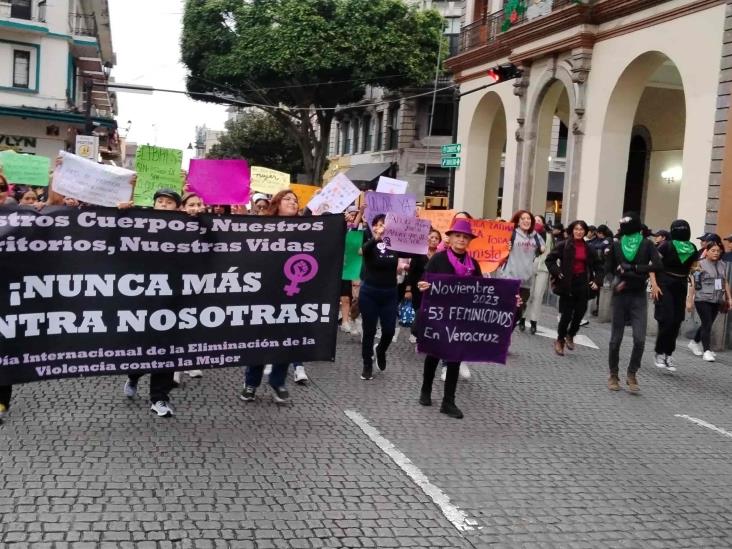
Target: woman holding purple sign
455,261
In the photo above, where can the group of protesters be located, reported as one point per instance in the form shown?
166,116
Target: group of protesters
574,262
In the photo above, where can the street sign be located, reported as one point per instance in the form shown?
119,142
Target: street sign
453,148
450,161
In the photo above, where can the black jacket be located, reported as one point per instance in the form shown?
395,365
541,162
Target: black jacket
635,273
560,262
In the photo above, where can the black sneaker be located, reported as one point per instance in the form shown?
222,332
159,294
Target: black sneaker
380,359
367,374
522,324
248,394
451,410
425,399
280,395
533,327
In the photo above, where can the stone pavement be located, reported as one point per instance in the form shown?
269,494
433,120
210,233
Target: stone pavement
545,457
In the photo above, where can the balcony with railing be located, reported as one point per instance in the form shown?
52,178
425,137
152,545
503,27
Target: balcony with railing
82,24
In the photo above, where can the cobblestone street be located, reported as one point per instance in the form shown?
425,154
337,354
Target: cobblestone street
545,457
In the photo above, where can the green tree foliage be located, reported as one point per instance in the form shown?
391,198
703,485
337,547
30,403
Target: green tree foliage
308,56
258,138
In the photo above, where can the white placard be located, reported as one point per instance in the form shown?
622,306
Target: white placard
335,197
87,146
391,186
97,184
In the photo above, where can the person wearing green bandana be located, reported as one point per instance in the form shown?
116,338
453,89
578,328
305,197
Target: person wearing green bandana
630,260
669,288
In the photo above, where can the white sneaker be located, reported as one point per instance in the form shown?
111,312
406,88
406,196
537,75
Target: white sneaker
301,378
267,369
696,348
396,333
464,371
130,389
443,375
162,408
670,364
176,379
584,322
195,373
709,356
660,361
412,339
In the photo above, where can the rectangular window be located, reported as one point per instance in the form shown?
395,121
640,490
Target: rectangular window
356,136
346,138
442,122
562,141
20,9
21,69
368,133
393,129
379,131
338,139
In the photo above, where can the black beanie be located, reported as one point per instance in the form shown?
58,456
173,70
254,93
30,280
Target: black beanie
630,224
680,230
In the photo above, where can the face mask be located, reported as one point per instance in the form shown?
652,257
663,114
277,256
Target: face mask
538,227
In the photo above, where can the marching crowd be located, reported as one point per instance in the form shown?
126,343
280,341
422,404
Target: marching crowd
574,262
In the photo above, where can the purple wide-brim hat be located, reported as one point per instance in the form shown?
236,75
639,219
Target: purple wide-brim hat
461,226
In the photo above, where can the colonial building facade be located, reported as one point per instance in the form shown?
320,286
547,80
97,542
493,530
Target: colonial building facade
623,94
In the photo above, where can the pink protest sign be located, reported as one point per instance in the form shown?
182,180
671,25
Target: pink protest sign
404,233
223,182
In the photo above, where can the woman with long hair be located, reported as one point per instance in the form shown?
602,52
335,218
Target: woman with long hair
711,292
541,274
576,272
525,247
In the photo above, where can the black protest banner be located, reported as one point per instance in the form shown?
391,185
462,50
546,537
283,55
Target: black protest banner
102,291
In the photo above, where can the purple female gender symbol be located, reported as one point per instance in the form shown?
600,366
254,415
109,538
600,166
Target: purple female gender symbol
298,269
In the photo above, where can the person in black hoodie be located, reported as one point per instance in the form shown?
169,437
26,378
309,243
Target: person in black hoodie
575,272
669,288
630,260
456,261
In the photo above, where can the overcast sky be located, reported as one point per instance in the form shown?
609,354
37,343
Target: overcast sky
146,39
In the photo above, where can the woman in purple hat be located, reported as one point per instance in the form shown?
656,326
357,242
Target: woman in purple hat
455,261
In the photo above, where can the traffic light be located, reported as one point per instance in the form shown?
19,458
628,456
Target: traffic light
501,73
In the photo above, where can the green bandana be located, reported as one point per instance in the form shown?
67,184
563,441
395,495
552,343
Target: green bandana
630,244
684,248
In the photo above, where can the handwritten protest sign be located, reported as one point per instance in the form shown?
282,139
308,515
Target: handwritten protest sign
383,203
352,259
440,219
303,192
220,181
25,169
335,196
157,168
268,181
406,233
490,248
467,318
98,184
391,186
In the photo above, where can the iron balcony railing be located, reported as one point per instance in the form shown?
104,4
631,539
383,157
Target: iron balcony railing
82,24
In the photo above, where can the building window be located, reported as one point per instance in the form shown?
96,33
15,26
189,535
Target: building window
21,69
356,136
452,32
20,9
562,141
338,139
368,133
393,127
379,131
442,121
346,138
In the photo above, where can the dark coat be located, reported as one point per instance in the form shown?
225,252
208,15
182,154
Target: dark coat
559,263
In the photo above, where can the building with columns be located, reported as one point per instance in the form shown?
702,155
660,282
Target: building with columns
618,109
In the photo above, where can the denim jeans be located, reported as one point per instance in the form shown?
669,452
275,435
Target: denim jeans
277,379
631,306
377,305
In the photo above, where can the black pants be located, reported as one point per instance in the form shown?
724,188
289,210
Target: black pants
670,312
573,307
377,305
525,294
707,315
632,306
451,378
6,391
160,385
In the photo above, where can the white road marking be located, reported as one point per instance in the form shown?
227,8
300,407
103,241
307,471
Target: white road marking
705,424
459,519
578,339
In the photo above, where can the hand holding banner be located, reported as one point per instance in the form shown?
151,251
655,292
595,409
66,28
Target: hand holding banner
406,233
96,184
467,318
389,185
25,169
223,182
335,196
490,247
157,168
383,203
268,181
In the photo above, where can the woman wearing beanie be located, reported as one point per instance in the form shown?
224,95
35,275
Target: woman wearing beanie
456,261
669,288
575,272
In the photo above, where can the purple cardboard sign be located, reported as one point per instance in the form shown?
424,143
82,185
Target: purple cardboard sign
224,182
406,233
383,203
467,318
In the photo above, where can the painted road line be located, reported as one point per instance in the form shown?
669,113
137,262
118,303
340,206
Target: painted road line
578,339
705,424
459,519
